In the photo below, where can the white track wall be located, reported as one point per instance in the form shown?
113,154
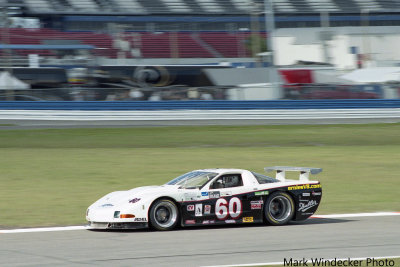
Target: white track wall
380,43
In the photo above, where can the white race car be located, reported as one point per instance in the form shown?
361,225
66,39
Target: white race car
211,197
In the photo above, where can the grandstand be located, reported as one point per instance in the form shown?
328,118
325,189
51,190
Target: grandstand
153,45
198,7
175,28
342,34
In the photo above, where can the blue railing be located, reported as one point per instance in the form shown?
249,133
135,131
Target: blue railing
199,105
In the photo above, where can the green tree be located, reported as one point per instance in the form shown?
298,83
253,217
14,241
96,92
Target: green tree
256,43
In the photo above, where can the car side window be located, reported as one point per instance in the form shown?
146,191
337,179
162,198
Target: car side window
263,179
227,181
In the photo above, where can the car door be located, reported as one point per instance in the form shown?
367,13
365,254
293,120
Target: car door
228,200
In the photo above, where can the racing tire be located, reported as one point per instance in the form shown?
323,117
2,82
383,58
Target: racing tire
279,208
164,215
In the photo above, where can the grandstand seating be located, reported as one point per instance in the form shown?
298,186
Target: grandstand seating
208,6
84,5
152,45
228,45
103,42
39,5
189,48
155,45
132,5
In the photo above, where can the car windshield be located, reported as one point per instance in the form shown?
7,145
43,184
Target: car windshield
194,179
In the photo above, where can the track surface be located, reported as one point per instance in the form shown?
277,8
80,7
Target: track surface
314,238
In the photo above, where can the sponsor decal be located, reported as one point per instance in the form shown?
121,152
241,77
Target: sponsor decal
134,200
226,194
306,206
107,205
247,219
214,194
261,193
190,196
190,207
305,186
230,221
212,221
190,222
153,76
206,222
198,210
207,209
316,193
204,194
256,205
306,194
140,219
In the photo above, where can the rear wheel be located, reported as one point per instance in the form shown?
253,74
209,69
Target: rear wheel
164,215
279,208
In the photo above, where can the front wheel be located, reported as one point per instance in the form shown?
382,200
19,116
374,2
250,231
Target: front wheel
164,215
279,208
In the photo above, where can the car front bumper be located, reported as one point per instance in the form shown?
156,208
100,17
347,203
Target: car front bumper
117,225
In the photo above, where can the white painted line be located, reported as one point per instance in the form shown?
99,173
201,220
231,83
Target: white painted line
281,262
71,228
350,215
47,229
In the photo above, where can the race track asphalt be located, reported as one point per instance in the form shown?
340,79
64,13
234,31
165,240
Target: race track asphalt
314,238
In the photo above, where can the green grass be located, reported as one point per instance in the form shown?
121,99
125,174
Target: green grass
210,136
49,177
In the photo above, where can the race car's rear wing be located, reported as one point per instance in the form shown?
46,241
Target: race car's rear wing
304,172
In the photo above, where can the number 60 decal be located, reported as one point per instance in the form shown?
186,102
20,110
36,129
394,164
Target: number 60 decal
223,209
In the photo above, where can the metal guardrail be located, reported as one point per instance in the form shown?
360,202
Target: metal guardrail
201,105
199,115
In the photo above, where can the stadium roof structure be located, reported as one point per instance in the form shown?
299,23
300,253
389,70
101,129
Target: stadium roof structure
200,7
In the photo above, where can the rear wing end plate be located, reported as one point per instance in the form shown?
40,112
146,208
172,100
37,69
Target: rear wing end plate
304,172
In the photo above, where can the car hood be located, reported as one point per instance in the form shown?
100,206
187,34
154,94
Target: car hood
135,195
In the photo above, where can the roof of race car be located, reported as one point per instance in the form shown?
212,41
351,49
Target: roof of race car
222,170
